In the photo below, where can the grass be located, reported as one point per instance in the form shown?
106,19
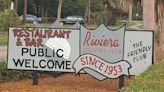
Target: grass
47,25
116,26
3,38
150,81
92,26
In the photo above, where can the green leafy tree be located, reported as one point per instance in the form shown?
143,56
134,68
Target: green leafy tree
127,6
97,16
109,6
4,4
73,7
8,19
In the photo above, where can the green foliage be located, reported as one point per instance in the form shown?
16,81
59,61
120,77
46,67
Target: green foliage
3,41
115,16
97,16
73,7
3,38
137,11
150,81
38,7
7,75
8,19
4,4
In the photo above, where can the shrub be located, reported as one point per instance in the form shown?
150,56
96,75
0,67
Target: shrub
97,16
7,75
8,19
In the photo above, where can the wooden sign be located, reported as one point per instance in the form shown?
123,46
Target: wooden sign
102,53
138,50
42,49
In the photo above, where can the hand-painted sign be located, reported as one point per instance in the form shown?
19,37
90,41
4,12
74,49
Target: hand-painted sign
102,53
43,49
103,42
99,68
138,50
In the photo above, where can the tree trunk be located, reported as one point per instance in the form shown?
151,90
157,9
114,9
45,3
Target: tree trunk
108,14
42,12
38,8
161,40
89,11
159,8
130,12
24,11
15,5
59,10
46,13
86,14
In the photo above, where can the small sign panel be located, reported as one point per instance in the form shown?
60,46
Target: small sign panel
43,49
138,50
102,53
99,68
103,42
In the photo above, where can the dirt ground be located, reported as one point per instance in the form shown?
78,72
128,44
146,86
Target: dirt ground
68,83
64,83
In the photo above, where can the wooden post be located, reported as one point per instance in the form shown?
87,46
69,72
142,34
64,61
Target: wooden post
35,78
121,81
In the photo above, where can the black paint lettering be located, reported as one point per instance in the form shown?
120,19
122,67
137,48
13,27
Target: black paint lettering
60,65
34,52
137,44
41,64
27,63
24,50
47,53
34,64
68,65
50,64
40,52
57,53
18,62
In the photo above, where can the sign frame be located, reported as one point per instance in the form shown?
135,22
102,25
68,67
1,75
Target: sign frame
74,29
80,47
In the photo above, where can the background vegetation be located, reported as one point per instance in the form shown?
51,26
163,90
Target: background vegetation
8,75
8,19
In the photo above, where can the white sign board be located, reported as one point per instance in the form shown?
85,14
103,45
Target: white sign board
102,53
138,50
43,49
